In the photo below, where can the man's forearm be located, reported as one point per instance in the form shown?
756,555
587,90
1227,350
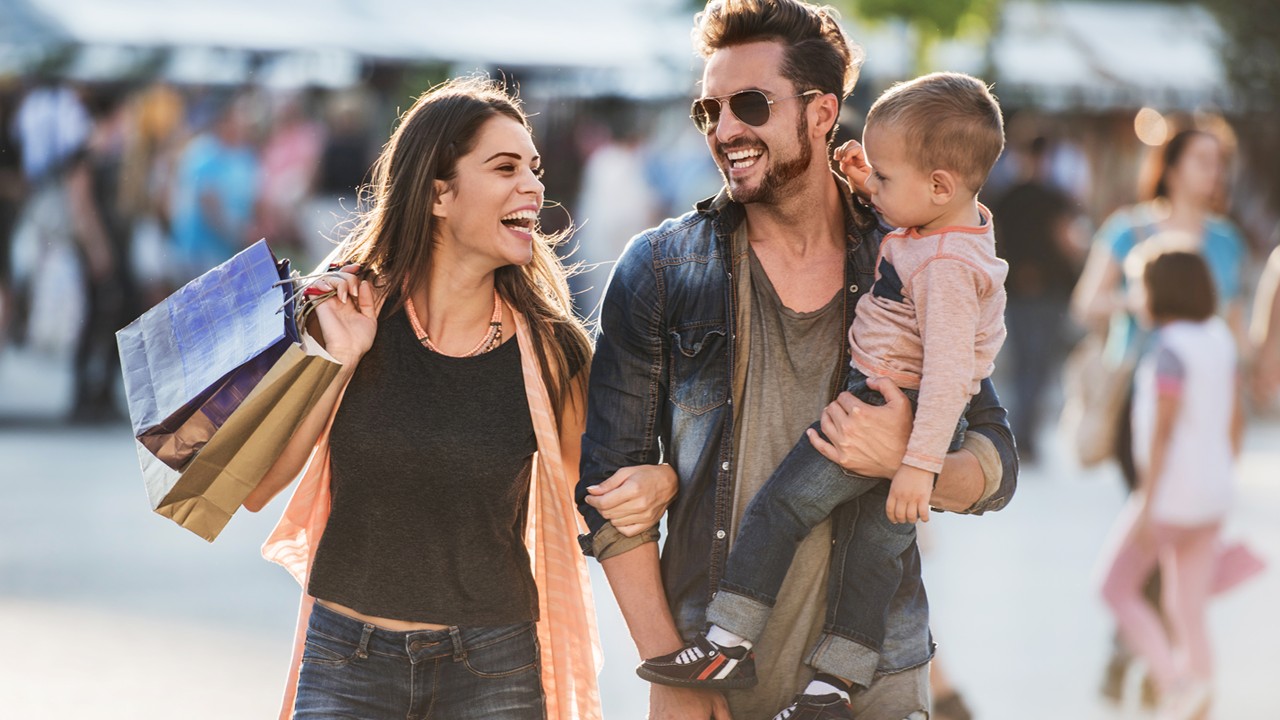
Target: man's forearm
636,581
960,484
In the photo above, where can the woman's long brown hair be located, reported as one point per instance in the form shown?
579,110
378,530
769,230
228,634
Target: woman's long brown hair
394,238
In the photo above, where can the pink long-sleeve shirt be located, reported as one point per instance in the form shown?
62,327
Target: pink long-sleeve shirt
933,321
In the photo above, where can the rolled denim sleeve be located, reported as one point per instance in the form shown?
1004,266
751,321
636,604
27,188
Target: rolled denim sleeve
990,439
627,389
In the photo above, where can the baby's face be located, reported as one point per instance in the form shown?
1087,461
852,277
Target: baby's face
900,191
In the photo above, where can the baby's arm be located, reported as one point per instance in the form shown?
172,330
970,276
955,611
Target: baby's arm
947,332
853,163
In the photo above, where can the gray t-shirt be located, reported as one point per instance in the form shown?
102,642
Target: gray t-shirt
792,362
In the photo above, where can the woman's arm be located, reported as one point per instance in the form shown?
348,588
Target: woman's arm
347,323
1266,331
1097,293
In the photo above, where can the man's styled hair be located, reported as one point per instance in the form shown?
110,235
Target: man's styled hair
950,121
818,53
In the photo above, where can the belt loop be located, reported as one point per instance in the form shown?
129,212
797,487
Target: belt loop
459,653
362,651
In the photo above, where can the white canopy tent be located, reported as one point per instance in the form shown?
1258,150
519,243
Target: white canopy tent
1055,54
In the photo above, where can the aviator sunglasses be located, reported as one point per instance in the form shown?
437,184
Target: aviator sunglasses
749,106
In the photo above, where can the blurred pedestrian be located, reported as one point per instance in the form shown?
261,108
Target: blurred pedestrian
215,192
102,231
154,141
343,168
1187,427
1265,333
290,157
1035,236
1181,188
617,168
448,442
12,192
50,126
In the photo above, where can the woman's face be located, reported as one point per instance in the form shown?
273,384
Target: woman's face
486,216
1198,172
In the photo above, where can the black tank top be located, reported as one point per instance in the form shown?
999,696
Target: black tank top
431,459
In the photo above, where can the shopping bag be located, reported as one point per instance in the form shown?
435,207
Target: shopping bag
1236,563
204,495
1095,390
190,361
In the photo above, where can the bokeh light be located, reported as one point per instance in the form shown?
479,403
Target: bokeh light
1151,127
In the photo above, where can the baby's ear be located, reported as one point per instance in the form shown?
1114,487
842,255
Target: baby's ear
943,186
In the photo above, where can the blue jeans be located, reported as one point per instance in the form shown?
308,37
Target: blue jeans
351,669
867,559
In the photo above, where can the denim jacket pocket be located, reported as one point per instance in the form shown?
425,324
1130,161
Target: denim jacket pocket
699,373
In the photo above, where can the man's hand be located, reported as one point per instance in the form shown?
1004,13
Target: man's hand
853,163
672,703
635,497
909,495
869,440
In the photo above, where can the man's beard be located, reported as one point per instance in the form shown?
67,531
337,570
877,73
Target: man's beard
780,174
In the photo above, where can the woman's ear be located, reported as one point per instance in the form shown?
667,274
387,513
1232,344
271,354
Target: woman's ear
444,199
942,187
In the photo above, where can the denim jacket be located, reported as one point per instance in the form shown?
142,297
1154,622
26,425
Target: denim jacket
662,390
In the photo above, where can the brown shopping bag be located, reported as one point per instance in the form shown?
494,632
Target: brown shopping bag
204,495
1096,390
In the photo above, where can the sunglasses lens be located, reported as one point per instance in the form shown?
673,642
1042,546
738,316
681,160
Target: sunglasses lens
751,107
705,114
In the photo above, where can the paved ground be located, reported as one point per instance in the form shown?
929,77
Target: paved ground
110,611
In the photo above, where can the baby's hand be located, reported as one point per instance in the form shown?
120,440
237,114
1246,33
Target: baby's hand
909,495
853,163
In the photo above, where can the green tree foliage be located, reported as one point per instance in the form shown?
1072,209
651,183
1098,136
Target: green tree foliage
931,20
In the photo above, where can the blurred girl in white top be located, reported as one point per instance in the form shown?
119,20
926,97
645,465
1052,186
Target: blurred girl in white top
1187,426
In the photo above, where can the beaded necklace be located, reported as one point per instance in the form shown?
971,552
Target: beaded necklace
491,340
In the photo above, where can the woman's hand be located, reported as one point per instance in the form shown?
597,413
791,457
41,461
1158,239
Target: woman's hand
635,497
869,440
348,319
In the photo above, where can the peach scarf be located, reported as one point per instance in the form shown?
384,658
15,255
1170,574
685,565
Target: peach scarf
571,654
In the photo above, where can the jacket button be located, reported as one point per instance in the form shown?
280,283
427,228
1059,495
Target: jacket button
853,288
719,534
724,465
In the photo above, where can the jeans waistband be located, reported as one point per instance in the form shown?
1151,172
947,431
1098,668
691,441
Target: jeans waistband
413,645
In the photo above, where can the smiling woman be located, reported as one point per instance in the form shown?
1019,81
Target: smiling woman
434,520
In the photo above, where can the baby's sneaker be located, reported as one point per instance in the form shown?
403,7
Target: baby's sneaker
817,707
703,664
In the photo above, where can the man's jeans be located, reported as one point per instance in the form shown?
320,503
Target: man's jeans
351,669
866,563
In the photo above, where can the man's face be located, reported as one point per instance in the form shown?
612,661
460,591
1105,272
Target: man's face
758,163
